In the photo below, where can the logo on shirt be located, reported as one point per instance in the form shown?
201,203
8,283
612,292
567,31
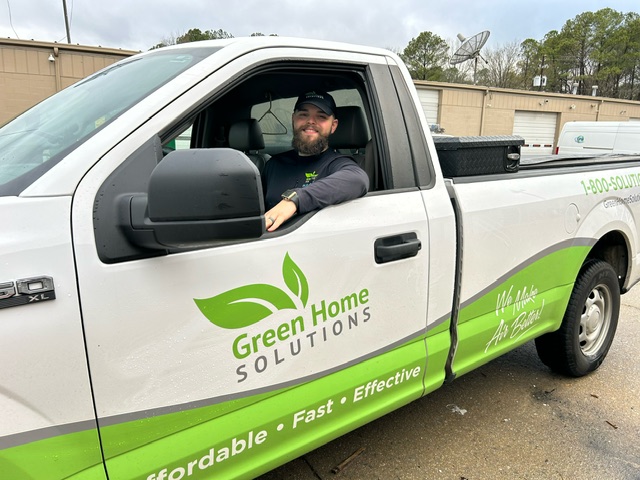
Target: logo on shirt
309,178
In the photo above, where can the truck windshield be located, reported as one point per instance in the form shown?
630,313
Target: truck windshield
36,140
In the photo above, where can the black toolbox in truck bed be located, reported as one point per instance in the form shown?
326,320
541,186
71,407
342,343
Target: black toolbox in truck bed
463,156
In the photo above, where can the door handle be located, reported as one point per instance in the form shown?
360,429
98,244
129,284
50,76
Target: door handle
396,247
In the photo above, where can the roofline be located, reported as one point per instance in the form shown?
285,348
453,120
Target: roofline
65,46
515,91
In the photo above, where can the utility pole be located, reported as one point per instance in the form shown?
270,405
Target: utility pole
541,73
66,20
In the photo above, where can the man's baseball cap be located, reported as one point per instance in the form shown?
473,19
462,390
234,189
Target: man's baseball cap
322,100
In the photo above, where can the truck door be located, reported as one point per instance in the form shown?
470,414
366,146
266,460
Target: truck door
221,361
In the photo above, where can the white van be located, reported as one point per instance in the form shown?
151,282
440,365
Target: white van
599,137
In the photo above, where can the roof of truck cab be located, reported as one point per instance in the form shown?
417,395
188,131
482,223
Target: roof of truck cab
252,43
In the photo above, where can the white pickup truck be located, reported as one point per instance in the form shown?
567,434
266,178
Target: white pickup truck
151,329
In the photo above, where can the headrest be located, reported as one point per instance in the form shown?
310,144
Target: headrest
246,135
352,128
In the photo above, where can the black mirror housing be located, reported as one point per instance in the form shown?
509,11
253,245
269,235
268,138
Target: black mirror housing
197,198
204,184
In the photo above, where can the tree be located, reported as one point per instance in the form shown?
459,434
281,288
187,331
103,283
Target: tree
589,51
426,56
610,41
169,40
595,48
193,35
457,74
501,68
530,63
630,57
546,58
578,35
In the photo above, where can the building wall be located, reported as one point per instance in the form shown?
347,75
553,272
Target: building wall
476,110
28,76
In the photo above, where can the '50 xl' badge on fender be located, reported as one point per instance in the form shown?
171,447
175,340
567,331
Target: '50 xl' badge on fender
25,291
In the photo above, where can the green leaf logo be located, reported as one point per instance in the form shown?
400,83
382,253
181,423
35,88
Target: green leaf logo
244,306
295,279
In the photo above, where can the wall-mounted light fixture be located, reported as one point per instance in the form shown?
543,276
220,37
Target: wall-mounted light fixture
53,56
572,106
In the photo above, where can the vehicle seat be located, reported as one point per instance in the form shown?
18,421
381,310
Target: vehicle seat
246,136
352,135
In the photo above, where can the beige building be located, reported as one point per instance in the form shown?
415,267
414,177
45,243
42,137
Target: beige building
30,71
536,116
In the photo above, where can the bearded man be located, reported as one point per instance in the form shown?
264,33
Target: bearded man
311,176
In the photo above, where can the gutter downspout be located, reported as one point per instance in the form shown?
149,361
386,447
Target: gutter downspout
482,112
598,111
56,66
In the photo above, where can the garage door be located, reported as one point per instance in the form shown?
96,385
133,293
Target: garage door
538,130
429,100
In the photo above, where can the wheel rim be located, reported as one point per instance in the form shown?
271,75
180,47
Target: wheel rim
595,320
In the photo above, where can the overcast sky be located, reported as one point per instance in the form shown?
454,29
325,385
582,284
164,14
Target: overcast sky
140,24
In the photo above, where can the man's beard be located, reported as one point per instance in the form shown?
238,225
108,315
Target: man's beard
309,147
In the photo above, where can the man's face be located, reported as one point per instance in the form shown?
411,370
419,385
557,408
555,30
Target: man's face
311,129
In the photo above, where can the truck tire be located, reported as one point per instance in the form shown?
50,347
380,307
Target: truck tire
581,343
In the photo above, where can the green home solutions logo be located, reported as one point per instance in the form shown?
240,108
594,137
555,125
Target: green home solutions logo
312,325
244,306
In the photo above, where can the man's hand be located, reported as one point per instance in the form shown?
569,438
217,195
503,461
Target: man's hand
279,214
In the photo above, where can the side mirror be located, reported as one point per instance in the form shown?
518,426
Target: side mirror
195,199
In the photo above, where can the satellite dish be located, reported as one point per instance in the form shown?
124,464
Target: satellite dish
470,50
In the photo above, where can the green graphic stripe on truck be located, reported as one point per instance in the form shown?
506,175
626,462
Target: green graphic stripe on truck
557,267
134,448
284,425
527,304
54,458
234,438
